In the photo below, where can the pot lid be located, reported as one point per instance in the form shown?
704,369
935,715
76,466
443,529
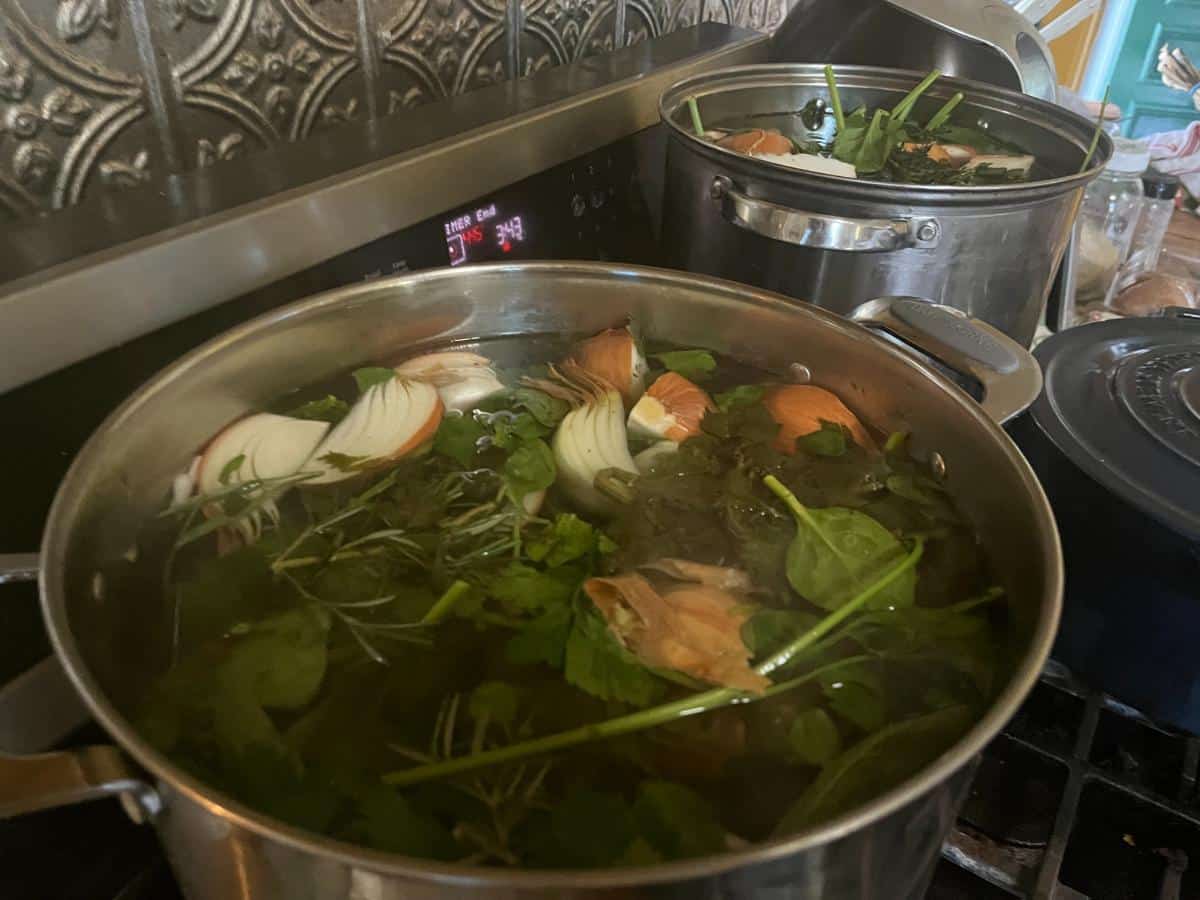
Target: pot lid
1122,402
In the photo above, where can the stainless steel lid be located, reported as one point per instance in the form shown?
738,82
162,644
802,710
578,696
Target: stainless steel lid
1122,402
1057,138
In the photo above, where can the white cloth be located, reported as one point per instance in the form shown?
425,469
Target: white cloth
1178,153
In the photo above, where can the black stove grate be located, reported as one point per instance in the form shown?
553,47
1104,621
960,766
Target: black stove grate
1082,797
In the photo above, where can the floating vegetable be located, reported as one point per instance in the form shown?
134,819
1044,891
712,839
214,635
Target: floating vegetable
592,439
1021,164
755,141
801,409
614,357
391,419
260,447
463,379
671,408
690,628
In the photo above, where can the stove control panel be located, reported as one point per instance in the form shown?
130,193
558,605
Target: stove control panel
592,207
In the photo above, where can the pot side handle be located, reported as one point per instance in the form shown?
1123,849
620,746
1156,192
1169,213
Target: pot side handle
48,780
819,230
16,567
1008,373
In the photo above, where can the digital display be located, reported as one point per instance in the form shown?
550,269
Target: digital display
484,233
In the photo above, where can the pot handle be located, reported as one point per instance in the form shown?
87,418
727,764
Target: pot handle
1008,373
817,230
48,780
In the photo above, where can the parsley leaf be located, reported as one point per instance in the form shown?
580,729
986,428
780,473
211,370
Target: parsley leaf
370,376
567,538
676,821
328,409
522,588
596,663
458,438
544,640
510,432
694,365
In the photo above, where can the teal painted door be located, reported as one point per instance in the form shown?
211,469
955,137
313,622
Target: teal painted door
1149,105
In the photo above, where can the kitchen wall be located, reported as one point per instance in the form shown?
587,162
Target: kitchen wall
100,94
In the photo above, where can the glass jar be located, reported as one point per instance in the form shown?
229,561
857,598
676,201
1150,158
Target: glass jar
1112,205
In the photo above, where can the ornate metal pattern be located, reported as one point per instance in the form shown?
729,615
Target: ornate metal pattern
96,95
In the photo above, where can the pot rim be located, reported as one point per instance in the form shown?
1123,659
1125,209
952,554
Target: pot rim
1050,117
56,536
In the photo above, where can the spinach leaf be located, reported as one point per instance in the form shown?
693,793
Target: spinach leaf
856,693
814,738
529,468
596,663
591,828
837,551
694,365
849,139
458,438
327,409
546,409
389,822
370,376
280,661
742,395
829,440
770,629
876,764
676,821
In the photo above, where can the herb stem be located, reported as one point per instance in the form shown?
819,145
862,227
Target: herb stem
694,109
301,562
1096,134
942,116
904,107
694,704
446,602
835,99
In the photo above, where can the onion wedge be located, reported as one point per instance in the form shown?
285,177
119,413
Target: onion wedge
614,357
671,408
261,446
463,379
801,409
389,421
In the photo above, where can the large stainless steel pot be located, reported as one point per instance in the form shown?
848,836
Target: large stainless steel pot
989,251
221,850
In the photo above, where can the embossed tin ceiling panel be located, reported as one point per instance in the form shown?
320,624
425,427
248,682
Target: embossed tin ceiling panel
96,95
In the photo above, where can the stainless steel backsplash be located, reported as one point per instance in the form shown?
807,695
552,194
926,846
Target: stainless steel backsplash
100,94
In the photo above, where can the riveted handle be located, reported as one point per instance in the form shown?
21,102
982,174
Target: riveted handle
49,780
16,567
818,230
1008,373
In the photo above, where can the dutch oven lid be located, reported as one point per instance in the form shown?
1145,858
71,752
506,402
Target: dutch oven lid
1122,402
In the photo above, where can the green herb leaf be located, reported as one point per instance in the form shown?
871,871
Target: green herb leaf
837,551
856,694
230,468
512,431
814,738
280,661
522,588
327,409
676,821
694,365
370,376
567,538
530,468
591,828
494,701
769,629
390,823
344,462
874,765
458,438
546,409
742,395
544,640
596,663
830,440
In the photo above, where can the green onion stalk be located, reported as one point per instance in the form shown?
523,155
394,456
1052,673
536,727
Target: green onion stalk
692,705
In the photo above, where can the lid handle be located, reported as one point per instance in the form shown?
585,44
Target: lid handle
823,232
1009,374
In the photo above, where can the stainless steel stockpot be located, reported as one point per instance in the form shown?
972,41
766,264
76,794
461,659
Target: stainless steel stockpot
989,251
220,849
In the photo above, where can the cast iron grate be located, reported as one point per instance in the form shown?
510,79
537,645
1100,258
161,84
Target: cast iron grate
1082,797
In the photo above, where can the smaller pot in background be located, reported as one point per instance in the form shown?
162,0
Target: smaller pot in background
1115,440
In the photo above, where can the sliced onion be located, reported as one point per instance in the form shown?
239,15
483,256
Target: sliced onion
590,439
463,379
389,421
269,446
